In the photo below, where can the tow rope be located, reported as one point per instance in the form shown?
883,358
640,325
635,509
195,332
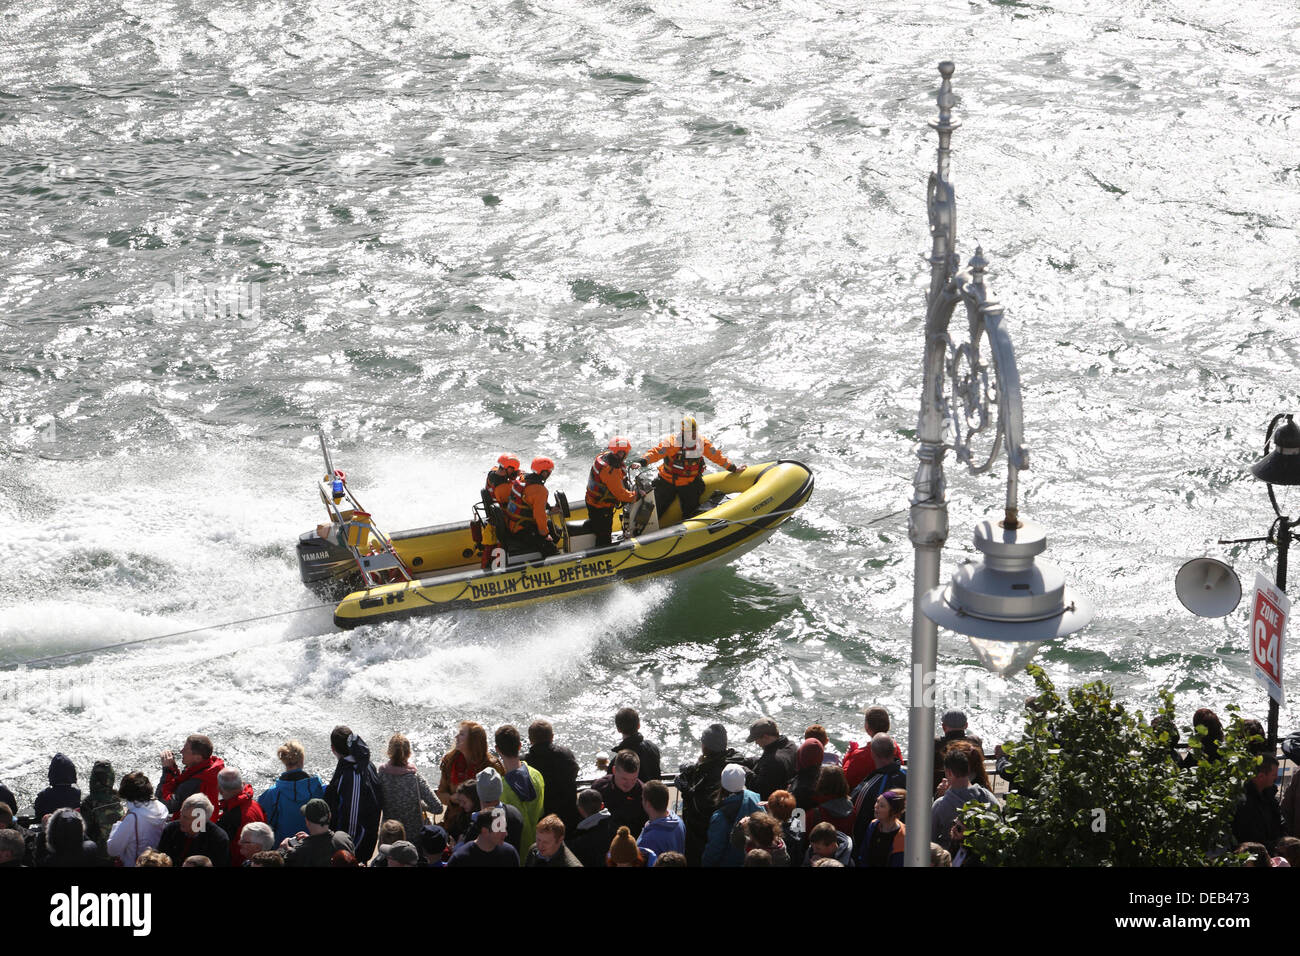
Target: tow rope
157,637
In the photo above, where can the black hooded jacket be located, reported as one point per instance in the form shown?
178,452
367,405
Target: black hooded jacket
590,844
559,769
62,791
698,784
212,842
355,799
803,787
646,751
775,768
1258,818
63,842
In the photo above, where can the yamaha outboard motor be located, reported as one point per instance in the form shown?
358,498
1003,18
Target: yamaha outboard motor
328,569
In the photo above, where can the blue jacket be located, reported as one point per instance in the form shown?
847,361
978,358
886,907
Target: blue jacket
283,803
664,836
718,851
843,850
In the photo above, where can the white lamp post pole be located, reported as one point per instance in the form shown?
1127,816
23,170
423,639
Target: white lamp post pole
927,522
1010,602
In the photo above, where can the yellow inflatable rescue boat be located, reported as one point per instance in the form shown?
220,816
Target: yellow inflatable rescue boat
474,564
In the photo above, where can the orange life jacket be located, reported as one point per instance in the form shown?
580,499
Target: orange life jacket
499,485
519,511
599,494
681,470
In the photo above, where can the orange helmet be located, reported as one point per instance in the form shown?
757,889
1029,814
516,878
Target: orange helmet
542,464
509,461
620,445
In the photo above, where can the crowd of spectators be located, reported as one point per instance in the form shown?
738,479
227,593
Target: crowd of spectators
788,804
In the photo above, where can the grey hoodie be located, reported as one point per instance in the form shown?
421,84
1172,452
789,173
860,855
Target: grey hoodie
946,807
402,790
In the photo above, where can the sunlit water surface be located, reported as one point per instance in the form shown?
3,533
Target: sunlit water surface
488,226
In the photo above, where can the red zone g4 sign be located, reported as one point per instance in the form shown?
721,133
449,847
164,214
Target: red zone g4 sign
1267,633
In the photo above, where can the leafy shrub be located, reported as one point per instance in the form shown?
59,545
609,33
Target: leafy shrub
1097,785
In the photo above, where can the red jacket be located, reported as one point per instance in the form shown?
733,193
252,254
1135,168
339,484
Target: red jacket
182,784
858,763
233,814
839,812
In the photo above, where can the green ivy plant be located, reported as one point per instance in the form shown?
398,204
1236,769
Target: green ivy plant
1097,785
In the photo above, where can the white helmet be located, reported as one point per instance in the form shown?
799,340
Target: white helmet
692,447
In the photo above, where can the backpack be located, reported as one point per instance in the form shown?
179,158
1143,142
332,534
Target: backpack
100,818
872,787
873,783
697,800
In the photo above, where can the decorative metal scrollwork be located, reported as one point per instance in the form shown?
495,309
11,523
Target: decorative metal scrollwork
980,394
971,396
941,203
970,403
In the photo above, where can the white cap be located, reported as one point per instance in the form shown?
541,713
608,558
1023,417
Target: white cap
733,778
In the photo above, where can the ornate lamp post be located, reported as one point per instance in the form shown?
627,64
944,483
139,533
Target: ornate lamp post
1010,602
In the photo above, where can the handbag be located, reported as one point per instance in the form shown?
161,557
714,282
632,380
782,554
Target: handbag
135,822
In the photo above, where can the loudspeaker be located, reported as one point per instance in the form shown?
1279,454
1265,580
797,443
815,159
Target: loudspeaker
1208,587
